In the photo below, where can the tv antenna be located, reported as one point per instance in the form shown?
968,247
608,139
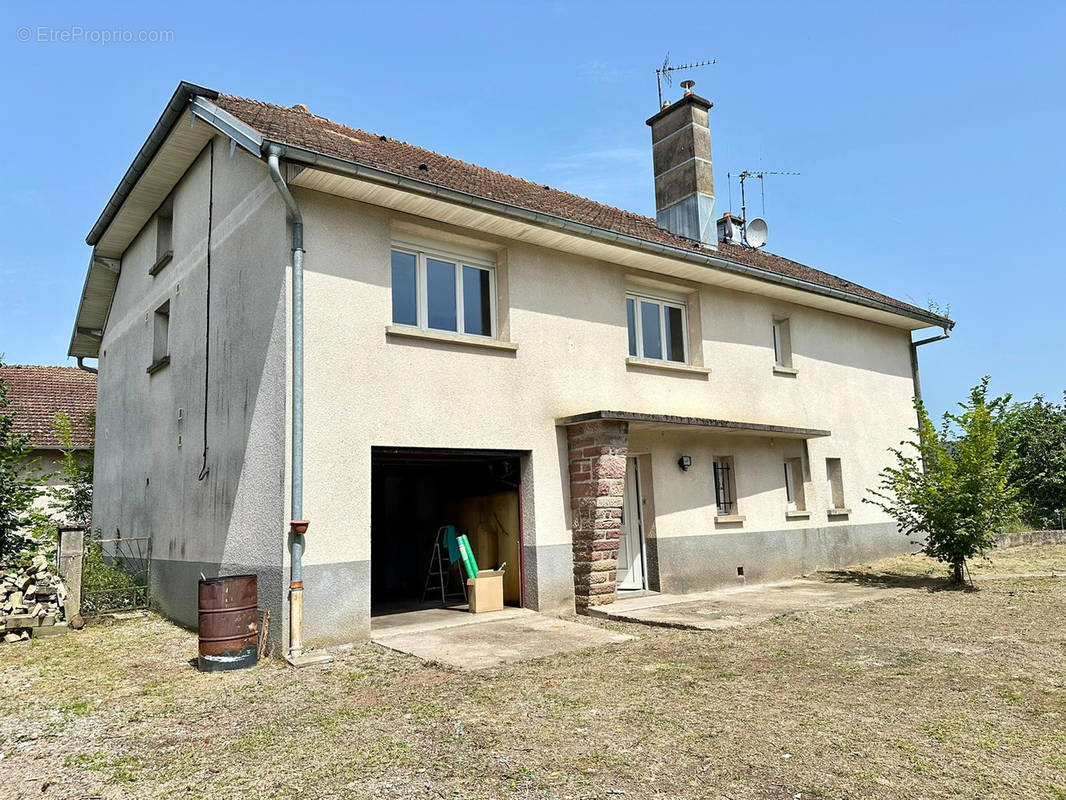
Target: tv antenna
663,73
744,176
758,225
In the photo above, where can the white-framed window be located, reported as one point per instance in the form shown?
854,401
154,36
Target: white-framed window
434,289
658,328
794,494
782,343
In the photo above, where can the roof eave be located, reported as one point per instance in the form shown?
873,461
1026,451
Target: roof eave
102,274
174,108
385,177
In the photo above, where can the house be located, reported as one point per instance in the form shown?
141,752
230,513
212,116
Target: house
35,396
317,345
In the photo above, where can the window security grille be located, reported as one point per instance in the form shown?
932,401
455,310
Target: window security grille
723,488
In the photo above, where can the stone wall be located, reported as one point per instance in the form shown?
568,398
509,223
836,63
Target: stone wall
1029,538
597,456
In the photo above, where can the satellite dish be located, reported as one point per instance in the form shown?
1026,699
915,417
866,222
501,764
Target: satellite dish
755,232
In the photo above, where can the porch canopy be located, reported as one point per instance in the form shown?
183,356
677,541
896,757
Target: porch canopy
642,421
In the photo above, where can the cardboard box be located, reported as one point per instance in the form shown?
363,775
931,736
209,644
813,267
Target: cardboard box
486,591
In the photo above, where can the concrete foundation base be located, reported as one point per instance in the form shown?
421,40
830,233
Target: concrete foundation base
687,564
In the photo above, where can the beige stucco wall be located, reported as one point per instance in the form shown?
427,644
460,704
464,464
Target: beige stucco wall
567,316
364,388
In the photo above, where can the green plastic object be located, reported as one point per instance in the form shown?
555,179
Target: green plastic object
451,545
466,553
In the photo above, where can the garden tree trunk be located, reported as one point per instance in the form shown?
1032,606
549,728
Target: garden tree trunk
958,573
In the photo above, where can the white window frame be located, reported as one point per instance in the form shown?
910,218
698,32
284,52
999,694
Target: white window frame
422,254
663,303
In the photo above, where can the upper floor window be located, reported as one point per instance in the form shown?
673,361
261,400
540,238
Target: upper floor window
782,343
657,328
442,292
164,241
160,338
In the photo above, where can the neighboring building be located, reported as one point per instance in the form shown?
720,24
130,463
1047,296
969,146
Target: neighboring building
35,396
605,401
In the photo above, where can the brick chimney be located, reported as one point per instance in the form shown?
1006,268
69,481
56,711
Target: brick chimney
684,182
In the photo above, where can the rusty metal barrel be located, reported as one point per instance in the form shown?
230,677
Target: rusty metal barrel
229,622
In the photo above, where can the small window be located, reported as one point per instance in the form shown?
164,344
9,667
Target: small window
835,479
725,490
657,329
782,344
794,485
164,242
437,292
160,338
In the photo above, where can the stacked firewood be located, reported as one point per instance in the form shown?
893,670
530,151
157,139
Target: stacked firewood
31,597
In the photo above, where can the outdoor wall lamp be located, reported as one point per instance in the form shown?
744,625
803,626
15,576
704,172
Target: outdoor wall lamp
684,462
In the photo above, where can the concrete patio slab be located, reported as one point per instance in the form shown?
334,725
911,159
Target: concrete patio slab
747,605
489,640
428,619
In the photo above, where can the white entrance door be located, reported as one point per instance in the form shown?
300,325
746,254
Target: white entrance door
630,544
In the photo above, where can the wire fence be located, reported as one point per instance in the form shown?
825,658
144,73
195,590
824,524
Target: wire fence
116,574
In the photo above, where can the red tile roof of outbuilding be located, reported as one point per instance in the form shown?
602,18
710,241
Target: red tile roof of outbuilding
36,394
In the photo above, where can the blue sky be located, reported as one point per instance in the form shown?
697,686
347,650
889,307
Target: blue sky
929,136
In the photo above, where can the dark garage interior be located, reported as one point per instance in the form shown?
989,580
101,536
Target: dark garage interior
414,492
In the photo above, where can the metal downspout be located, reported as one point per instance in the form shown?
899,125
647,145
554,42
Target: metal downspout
81,365
298,525
914,360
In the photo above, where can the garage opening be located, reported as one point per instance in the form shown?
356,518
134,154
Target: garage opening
417,492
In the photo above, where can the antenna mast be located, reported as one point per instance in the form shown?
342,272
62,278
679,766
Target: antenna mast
663,73
744,175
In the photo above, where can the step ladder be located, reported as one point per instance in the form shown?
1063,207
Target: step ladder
439,573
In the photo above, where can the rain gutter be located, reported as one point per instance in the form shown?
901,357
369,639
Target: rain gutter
379,176
179,101
914,359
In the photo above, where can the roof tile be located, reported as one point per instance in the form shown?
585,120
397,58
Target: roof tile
298,128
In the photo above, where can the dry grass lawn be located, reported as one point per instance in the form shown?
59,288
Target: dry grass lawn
933,694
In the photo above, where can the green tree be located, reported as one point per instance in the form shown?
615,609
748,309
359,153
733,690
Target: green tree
74,499
950,490
19,486
1036,432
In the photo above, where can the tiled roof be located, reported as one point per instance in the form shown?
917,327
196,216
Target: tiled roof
35,394
298,128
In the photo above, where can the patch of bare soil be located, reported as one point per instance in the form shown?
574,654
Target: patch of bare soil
927,694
